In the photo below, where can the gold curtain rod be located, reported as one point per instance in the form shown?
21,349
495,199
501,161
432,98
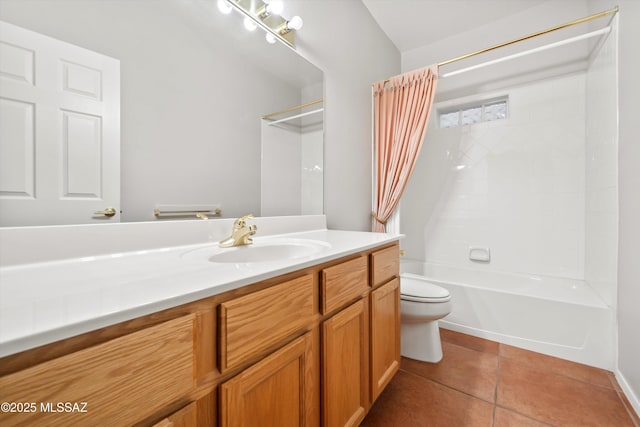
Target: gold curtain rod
530,36
297,107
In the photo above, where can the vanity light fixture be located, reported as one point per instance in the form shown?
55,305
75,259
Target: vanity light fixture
265,14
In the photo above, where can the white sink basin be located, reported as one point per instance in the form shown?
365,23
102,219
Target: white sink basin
267,250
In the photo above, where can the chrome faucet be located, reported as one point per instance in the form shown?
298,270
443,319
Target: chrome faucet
240,233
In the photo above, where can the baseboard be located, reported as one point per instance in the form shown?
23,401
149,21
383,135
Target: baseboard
628,392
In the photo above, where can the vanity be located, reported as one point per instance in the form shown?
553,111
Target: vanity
310,339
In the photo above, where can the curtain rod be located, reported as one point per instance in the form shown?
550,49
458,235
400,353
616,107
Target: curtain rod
297,116
530,36
599,32
297,107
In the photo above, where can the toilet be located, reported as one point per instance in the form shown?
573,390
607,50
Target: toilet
421,305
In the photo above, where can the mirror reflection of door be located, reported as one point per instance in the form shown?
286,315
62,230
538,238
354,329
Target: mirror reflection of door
59,131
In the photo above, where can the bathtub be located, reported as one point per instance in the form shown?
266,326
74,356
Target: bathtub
560,317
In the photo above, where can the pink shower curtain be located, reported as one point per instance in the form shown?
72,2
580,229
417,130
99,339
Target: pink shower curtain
401,111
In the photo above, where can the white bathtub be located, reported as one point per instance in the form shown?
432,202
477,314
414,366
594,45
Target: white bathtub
555,316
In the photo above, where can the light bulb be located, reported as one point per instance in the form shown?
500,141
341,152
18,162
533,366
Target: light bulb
270,38
249,24
275,7
224,7
295,23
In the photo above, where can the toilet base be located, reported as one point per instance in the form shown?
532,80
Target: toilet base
421,341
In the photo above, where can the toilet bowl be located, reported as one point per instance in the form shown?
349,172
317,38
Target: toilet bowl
421,305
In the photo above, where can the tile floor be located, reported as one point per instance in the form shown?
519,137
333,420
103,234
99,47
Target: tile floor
484,383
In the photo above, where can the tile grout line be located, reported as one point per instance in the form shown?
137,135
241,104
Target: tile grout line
495,391
445,385
495,406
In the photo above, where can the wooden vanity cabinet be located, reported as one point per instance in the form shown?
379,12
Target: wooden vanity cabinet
309,348
361,343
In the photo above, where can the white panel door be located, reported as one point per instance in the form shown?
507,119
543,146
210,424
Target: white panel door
59,131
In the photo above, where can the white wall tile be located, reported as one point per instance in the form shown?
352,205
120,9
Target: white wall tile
601,197
521,193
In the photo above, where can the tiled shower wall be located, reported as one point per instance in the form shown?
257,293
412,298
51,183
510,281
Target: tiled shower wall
601,249
515,186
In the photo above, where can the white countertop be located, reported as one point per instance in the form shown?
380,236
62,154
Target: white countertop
48,301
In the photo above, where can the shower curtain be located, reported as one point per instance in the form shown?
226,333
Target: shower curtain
401,112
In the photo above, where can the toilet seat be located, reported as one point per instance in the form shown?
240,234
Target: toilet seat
420,290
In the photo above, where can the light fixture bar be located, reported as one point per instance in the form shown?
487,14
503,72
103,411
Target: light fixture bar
287,38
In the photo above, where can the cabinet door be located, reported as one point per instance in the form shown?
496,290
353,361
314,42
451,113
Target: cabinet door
345,366
185,417
385,335
274,392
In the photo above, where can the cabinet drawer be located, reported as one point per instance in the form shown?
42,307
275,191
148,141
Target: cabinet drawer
343,283
385,264
251,324
122,381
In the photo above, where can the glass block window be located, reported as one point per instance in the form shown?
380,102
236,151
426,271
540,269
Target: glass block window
464,115
495,111
471,115
449,120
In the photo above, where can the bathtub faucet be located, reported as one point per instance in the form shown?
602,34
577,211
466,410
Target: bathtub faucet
240,233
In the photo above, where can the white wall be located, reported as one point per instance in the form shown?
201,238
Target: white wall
601,197
629,201
343,39
515,185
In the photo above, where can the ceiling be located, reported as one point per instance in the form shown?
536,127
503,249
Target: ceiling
414,23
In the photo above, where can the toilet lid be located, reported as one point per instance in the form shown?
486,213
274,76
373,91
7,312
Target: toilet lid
420,290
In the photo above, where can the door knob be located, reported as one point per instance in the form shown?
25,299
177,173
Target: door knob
107,212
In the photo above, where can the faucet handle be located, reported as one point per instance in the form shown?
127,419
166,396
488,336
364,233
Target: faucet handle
240,222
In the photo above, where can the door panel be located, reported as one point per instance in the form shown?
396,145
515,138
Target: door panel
59,131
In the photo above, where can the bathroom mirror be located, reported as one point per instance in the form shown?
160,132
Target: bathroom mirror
194,85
